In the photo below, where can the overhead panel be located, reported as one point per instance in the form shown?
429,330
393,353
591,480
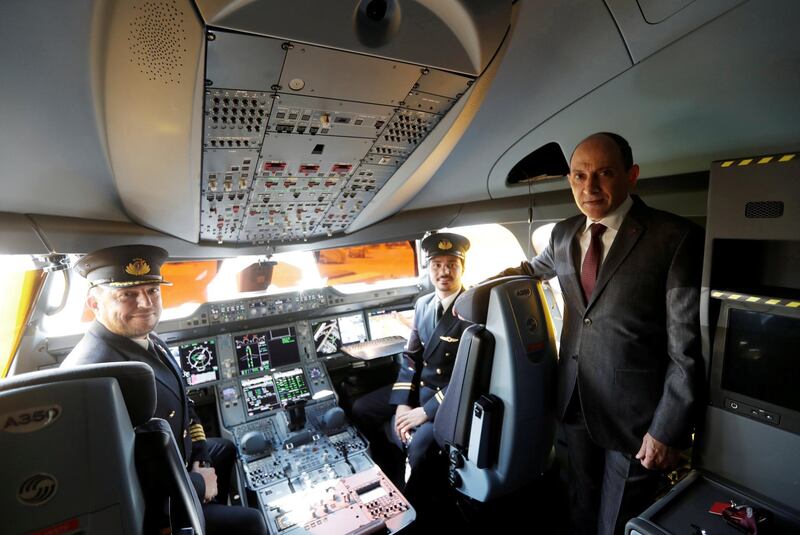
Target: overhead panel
346,76
241,62
296,151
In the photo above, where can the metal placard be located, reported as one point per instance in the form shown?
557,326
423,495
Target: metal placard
243,61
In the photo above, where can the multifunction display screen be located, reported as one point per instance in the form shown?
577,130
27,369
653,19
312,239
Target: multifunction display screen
259,395
198,361
329,335
291,385
264,350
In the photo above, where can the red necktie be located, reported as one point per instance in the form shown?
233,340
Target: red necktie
594,256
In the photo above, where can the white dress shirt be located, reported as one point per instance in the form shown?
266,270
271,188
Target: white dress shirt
612,223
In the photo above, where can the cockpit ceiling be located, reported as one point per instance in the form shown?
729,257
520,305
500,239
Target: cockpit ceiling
298,139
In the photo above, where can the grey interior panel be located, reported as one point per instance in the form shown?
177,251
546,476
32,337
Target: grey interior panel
333,74
258,75
649,25
455,35
693,115
541,73
439,82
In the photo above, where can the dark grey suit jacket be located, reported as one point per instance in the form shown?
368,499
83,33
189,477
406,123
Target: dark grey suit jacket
634,349
172,403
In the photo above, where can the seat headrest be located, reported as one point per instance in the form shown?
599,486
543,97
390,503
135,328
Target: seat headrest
135,380
473,305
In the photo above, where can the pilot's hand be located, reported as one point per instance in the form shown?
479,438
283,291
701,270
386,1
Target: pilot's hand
409,421
209,478
401,409
655,455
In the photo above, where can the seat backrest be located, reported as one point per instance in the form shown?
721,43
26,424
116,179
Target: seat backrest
499,426
67,442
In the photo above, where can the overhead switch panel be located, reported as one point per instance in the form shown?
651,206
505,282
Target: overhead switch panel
298,139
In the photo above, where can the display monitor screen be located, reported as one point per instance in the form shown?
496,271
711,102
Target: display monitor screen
761,357
198,361
283,347
291,385
329,335
259,395
264,350
383,323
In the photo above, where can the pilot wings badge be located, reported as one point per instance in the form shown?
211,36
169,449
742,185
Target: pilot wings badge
138,266
448,339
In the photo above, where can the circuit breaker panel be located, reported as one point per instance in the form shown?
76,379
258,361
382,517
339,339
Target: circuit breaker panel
299,139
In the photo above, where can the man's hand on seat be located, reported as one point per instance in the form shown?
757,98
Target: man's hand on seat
210,479
408,421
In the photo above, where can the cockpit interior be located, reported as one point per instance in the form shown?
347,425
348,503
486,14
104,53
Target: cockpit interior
291,156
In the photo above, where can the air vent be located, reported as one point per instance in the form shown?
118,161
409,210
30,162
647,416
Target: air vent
763,209
157,40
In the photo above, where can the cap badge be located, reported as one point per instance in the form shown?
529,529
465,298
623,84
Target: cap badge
138,266
445,245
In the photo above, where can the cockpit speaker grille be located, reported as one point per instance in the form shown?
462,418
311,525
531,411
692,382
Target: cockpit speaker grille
763,209
157,40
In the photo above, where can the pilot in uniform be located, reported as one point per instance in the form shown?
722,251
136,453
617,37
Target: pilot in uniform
126,300
406,410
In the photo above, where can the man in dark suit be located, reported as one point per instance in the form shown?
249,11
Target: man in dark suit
410,404
125,296
630,357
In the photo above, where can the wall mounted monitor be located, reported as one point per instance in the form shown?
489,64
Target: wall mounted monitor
264,350
291,385
197,360
754,362
259,395
390,322
329,335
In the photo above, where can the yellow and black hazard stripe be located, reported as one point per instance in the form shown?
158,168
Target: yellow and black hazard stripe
745,298
197,432
758,160
402,386
439,396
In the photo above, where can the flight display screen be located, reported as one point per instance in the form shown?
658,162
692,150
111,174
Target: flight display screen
383,323
329,335
198,361
259,395
291,385
264,350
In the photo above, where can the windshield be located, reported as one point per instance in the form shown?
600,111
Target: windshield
348,270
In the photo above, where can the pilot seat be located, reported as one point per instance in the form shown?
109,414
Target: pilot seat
82,453
497,422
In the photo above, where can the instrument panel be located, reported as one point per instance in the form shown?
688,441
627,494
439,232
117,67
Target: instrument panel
264,358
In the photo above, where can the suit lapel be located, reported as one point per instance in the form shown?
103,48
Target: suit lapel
629,233
130,350
571,254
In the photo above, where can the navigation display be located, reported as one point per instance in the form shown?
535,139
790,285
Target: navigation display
198,361
329,335
259,395
383,323
291,386
265,350
283,347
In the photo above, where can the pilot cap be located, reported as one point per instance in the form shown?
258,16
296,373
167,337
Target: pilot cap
123,266
445,243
